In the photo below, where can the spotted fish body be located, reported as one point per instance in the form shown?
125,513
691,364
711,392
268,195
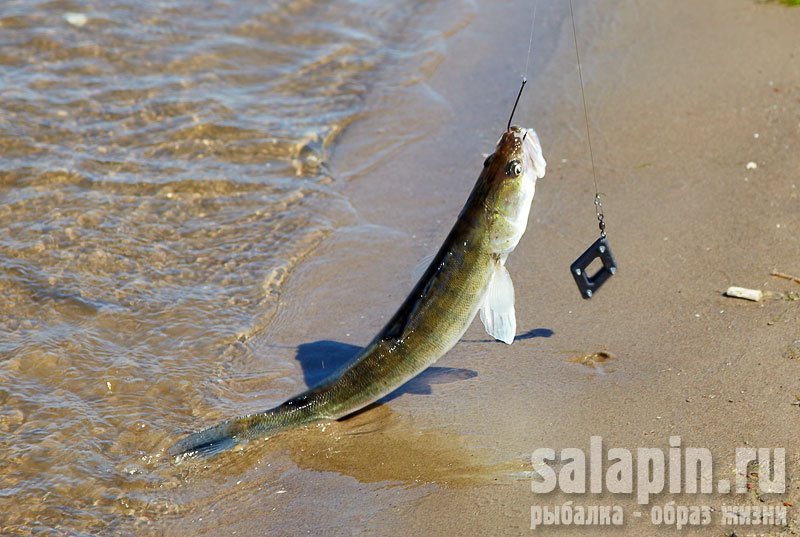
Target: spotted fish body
467,275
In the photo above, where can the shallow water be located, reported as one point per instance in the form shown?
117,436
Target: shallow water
164,170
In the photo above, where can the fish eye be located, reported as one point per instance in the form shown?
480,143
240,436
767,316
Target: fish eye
514,168
488,160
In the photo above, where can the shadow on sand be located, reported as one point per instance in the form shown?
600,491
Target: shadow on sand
530,334
320,359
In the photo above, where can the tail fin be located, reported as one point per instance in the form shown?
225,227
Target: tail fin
227,434
209,442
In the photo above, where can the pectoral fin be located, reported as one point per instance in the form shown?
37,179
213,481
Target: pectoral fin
422,266
497,311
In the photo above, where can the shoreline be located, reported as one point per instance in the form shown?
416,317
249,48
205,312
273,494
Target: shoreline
673,124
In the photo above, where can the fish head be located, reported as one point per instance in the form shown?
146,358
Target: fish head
510,174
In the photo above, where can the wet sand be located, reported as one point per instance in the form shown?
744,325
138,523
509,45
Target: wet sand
677,92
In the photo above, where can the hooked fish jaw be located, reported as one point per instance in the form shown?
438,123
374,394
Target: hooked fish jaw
515,195
533,150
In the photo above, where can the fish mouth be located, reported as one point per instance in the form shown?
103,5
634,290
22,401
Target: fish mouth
532,150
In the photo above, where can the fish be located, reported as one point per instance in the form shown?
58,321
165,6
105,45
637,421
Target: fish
467,275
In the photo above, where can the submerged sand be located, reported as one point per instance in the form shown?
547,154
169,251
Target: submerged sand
681,97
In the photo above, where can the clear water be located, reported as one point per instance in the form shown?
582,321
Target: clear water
164,170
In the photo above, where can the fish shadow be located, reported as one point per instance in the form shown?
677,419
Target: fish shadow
535,333
320,359
530,334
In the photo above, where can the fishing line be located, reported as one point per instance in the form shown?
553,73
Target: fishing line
586,116
525,72
588,285
530,42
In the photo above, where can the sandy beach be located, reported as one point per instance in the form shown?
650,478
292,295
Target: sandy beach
681,97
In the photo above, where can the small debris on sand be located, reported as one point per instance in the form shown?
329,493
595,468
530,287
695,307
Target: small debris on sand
594,360
785,276
742,292
76,19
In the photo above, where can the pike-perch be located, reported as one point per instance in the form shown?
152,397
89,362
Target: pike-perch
465,276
